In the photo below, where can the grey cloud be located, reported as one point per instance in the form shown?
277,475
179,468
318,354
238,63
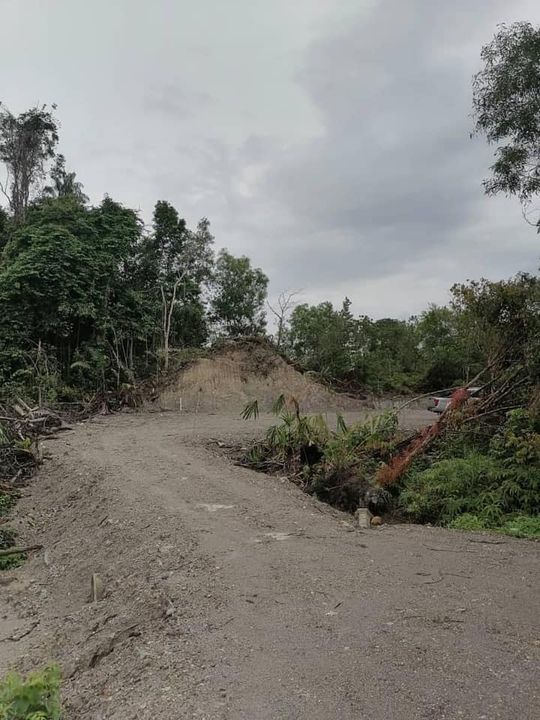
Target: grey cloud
173,99
394,179
328,140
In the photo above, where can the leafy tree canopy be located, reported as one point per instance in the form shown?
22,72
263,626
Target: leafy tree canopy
506,102
238,296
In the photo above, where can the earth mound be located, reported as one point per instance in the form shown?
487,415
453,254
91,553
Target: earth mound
240,371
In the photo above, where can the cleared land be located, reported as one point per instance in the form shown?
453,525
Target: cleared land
230,594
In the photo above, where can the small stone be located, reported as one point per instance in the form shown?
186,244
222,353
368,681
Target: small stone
362,517
376,520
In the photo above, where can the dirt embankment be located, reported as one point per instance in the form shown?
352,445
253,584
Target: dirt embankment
243,371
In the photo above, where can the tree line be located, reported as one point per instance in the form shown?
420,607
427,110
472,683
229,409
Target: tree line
92,299
443,347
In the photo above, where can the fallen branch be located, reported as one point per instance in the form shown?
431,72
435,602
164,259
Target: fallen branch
19,550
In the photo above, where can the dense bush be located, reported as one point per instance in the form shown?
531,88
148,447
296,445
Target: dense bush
494,489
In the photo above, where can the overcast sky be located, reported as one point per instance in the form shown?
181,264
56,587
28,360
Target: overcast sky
329,140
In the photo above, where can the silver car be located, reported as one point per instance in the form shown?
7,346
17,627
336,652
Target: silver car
439,403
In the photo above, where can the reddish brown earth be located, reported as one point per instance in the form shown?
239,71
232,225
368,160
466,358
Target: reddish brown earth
231,595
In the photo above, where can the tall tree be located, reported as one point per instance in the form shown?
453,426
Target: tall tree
176,262
64,183
27,142
440,348
238,297
506,103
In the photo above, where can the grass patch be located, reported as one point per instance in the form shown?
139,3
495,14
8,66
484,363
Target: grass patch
520,526
7,540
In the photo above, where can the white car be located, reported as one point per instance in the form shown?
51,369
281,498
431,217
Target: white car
439,403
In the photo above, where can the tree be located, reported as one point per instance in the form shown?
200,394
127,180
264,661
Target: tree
67,283
439,344
175,262
325,340
393,355
238,296
281,311
27,142
506,103
64,184
499,323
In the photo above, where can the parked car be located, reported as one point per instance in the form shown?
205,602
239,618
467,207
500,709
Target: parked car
439,403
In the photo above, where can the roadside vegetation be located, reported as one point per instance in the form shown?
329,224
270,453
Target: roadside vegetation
473,475
478,466
35,697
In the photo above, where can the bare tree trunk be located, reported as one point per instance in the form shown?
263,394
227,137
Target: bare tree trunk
168,308
285,304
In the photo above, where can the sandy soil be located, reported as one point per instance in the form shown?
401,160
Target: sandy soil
240,372
231,595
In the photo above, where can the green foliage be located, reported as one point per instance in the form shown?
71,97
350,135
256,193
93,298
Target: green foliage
91,299
521,526
323,339
337,466
487,488
450,488
381,355
238,296
439,344
251,411
499,322
442,348
369,437
64,183
284,442
507,107
82,289
36,697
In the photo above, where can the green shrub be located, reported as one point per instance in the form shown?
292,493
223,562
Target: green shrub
450,488
375,435
36,697
337,466
467,521
522,526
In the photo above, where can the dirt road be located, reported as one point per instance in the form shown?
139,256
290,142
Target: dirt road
231,595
